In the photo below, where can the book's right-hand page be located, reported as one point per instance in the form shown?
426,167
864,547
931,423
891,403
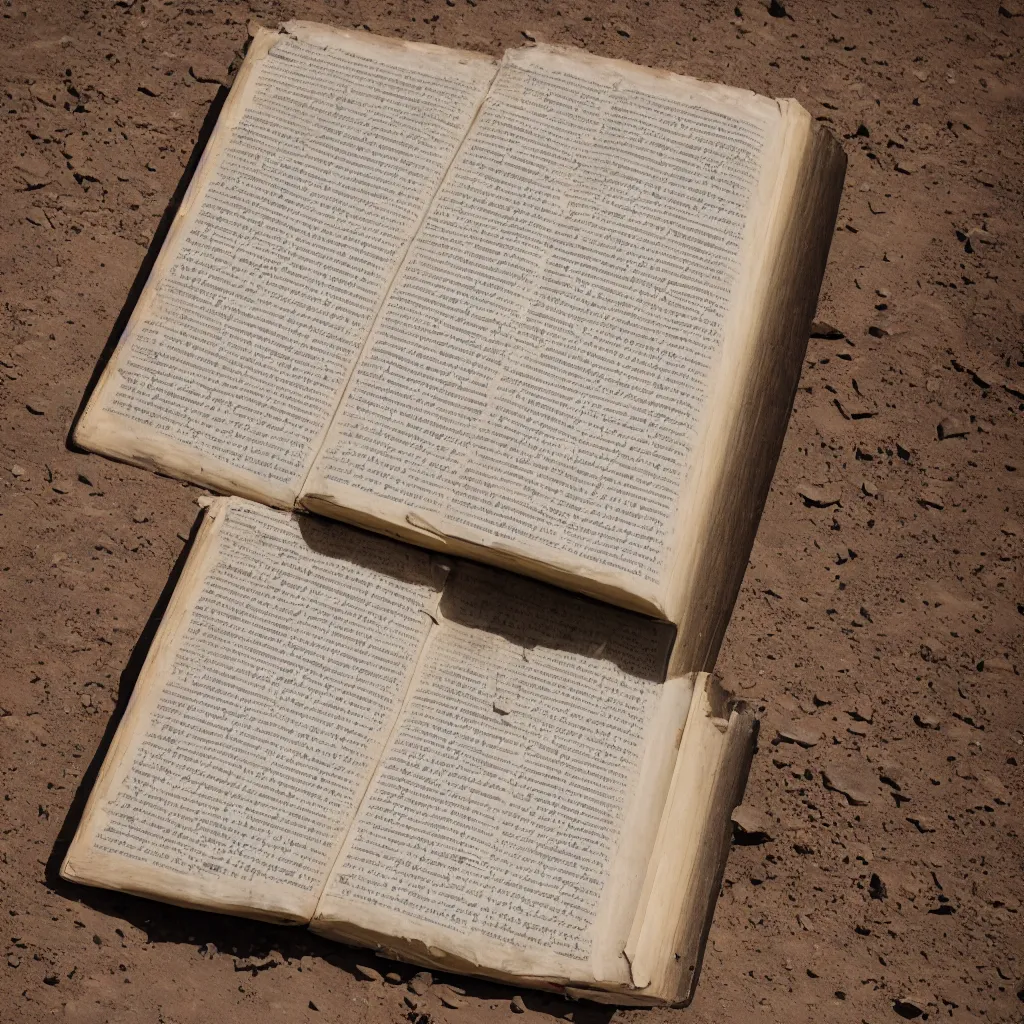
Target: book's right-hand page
542,380
509,826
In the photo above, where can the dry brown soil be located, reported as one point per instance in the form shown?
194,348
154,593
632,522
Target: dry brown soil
887,624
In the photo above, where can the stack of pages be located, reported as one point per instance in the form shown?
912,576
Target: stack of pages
530,329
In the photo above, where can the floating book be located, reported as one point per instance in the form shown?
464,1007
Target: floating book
453,765
548,312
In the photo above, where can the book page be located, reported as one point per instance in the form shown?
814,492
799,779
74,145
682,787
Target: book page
266,700
321,166
538,379
510,823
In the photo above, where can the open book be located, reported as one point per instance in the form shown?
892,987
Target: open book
548,312
454,765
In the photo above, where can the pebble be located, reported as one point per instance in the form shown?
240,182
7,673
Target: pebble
420,982
926,720
816,496
848,782
37,407
862,710
803,734
412,1002
394,977
369,973
517,1004
922,823
449,999
822,329
952,426
751,824
17,471
869,488
931,500
998,663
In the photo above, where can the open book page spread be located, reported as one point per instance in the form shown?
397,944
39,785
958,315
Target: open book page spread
260,713
539,373
452,757
309,192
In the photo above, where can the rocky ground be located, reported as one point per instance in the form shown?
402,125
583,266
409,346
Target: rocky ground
879,626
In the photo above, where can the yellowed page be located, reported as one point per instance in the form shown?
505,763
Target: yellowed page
317,175
264,704
508,828
539,376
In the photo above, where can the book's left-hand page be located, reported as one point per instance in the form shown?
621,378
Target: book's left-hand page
313,183
265,702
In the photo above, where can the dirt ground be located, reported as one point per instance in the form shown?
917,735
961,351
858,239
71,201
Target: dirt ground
884,628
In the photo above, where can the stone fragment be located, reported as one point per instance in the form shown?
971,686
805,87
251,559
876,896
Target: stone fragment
822,329
420,982
922,822
931,500
37,407
517,1004
800,732
869,488
952,426
449,998
842,779
369,973
910,1007
393,977
818,496
17,471
926,720
751,827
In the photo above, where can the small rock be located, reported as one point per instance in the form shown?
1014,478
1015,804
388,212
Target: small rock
37,407
910,1007
802,733
922,823
843,780
258,963
517,1004
821,329
420,982
869,488
209,71
449,999
925,720
816,496
993,785
17,471
369,973
931,500
998,663
32,172
876,888
1011,528
952,426
13,961
751,826
412,1002
852,409
393,977
862,711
